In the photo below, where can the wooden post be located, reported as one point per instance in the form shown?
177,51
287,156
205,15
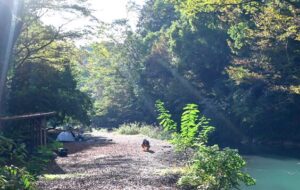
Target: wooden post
41,133
45,137
44,130
37,132
34,133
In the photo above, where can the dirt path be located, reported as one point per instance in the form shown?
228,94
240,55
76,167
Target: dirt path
110,161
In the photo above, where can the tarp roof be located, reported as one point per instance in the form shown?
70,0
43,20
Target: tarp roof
28,116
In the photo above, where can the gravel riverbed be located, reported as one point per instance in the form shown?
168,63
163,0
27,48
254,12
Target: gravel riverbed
108,161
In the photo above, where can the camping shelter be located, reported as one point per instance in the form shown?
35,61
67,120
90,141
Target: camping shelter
36,124
65,136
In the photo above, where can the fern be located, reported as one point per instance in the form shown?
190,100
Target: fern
12,178
194,130
189,123
164,117
210,167
206,129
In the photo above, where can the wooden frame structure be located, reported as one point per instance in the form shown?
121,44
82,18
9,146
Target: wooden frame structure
38,124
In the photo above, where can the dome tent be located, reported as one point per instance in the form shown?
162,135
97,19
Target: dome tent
65,136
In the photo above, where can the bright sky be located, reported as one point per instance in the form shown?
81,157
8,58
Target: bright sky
108,10
104,10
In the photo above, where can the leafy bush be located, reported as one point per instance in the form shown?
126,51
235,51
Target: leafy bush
11,153
16,154
39,160
154,132
210,168
192,130
2,181
216,169
12,178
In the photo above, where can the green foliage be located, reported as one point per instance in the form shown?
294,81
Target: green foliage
154,132
241,55
210,167
40,159
164,118
129,129
12,178
155,15
111,78
144,129
193,129
15,154
215,169
39,87
191,124
41,77
238,33
2,181
11,152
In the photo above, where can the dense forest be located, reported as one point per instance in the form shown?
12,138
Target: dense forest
239,60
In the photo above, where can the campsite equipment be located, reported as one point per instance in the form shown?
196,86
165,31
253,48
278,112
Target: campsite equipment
79,138
65,136
62,152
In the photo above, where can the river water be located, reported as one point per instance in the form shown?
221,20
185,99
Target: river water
273,167
273,173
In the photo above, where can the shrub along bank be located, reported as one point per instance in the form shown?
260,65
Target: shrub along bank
18,168
209,167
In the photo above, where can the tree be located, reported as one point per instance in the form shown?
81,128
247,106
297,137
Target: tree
42,74
263,37
156,15
40,87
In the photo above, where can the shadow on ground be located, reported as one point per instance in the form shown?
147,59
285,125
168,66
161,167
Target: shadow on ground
100,163
54,168
74,147
89,142
104,162
107,173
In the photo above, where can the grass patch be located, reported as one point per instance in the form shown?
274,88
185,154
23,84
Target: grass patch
151,131
51,177
129,129
172,171
100,130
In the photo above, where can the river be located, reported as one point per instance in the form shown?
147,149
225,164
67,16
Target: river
273,173
274,168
